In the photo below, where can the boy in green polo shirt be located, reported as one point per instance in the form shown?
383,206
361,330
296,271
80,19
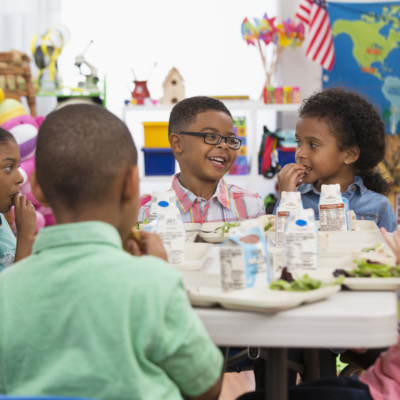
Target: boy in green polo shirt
81,317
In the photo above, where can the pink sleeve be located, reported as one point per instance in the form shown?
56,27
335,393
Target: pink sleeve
383,378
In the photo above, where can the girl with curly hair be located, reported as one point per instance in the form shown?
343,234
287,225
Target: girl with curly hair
340,140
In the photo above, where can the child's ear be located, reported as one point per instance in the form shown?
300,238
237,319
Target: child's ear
352,154
37,190
175,142
130,190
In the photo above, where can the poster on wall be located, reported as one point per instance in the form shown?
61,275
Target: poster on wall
366,38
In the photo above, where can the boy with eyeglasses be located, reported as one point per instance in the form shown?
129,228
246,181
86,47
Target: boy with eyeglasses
203,142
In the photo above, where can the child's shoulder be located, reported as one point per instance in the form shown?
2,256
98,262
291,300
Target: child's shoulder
371,195
149,272
245,192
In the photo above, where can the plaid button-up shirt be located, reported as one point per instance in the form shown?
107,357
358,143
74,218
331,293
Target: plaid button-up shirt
229,203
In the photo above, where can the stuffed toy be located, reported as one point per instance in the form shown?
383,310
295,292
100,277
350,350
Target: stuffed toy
24,127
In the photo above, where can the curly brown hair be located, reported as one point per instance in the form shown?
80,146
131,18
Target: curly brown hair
354,122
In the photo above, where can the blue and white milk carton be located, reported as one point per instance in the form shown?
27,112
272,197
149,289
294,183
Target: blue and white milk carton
244,259
289,202
301,240
165,219
160,201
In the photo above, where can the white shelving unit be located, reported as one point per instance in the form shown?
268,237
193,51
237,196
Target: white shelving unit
257,115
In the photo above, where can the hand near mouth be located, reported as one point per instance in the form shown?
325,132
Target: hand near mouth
289,177
150,244
25,216
25,223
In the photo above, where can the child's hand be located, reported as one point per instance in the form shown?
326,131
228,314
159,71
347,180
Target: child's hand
150,244
289,176
25,217
393,240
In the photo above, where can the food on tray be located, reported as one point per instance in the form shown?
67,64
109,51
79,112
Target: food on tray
225,228
375,262
375,254
370,269
133,235
139,225
269,221
302,284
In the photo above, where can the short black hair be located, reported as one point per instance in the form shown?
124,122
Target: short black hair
185,112
353,121
5,136
80,151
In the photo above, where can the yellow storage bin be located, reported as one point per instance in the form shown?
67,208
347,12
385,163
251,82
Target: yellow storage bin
156,134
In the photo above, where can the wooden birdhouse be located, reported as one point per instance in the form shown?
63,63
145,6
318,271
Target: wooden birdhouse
174,90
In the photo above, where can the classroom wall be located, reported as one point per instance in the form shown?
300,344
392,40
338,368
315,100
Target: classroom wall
202,39
296,69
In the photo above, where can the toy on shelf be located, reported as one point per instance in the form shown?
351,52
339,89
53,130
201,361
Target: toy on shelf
140,93
16,78
265,32
91,78
158,157
174,90
45,50
24,127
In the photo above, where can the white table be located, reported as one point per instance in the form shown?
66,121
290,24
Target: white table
347,319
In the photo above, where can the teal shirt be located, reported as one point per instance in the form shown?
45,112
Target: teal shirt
8,244
81,317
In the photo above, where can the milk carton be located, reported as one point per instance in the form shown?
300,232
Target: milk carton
160,201
290,201
244,260
332,209
167,222
301,240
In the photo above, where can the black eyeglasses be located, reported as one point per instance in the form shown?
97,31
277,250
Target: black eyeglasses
213,138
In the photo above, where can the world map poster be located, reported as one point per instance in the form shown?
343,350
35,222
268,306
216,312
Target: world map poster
366,38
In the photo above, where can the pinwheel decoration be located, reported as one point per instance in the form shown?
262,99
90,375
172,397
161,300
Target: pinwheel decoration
266,32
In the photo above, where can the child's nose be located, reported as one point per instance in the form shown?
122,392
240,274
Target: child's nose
223,144
20,178
300,152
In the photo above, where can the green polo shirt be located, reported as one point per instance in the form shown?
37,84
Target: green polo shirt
81,317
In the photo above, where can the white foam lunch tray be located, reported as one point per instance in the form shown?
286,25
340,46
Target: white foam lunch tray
195,256
358,283
204,290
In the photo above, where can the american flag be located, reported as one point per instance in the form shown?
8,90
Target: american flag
314,15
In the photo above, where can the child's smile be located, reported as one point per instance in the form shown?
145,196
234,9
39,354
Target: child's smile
217,161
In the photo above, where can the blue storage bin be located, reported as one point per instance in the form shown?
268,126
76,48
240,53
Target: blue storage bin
158,161
286,155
